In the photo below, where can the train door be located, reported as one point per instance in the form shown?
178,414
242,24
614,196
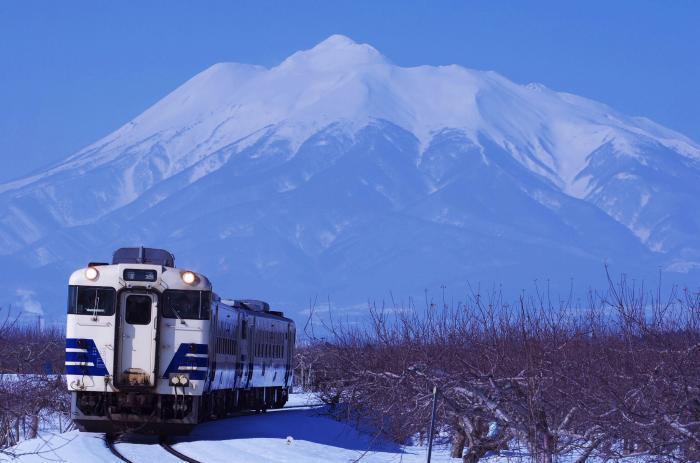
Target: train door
251,350
239,352
214,334
289,361
136,364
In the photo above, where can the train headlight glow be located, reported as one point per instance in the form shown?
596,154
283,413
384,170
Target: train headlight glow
91,273
175,380
189,278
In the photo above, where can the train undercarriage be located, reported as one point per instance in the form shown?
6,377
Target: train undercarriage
167,414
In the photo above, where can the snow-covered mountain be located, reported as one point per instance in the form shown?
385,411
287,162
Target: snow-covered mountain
339,173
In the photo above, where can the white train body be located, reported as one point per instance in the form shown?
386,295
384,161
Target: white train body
150,347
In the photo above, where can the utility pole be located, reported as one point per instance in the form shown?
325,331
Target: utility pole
432,424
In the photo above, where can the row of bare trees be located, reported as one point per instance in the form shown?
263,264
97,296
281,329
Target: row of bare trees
614,375
32,396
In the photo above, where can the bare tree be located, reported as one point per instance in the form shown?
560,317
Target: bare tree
614,374
30,391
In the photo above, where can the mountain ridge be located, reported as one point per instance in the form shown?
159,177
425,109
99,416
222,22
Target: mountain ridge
307,157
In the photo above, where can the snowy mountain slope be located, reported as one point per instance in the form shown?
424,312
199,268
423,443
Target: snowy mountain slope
338,172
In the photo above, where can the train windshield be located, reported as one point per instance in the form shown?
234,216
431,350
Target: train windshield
184,304
91,300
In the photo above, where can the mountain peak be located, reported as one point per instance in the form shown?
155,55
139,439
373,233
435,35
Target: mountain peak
336,52
337,41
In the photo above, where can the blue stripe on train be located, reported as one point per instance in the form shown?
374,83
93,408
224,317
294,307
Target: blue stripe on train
180,359
91,355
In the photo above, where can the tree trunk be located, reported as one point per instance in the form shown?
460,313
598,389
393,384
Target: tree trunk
459,438
544,440
473,455
34,426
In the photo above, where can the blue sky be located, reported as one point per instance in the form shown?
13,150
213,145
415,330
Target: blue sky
71,72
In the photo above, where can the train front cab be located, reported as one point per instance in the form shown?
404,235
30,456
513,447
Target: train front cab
119,376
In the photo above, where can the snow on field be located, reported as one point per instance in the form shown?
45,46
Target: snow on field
299,435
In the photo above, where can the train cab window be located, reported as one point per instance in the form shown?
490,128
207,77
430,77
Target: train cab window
138,310
186,304
244,329
91,300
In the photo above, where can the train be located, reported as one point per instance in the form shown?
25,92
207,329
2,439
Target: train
150,348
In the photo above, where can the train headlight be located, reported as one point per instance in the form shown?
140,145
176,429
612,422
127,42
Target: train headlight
189,278
91,273
179,380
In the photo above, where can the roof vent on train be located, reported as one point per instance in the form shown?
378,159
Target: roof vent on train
252,304
143,255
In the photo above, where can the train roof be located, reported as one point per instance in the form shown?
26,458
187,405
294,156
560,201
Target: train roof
141,255
253,305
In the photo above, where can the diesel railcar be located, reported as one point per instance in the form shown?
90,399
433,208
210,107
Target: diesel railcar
151,348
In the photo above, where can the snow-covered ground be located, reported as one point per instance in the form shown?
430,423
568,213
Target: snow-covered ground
299,435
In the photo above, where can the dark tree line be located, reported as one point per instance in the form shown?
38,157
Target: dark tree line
615,375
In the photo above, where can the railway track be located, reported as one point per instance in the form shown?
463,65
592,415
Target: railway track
111,440
168,448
